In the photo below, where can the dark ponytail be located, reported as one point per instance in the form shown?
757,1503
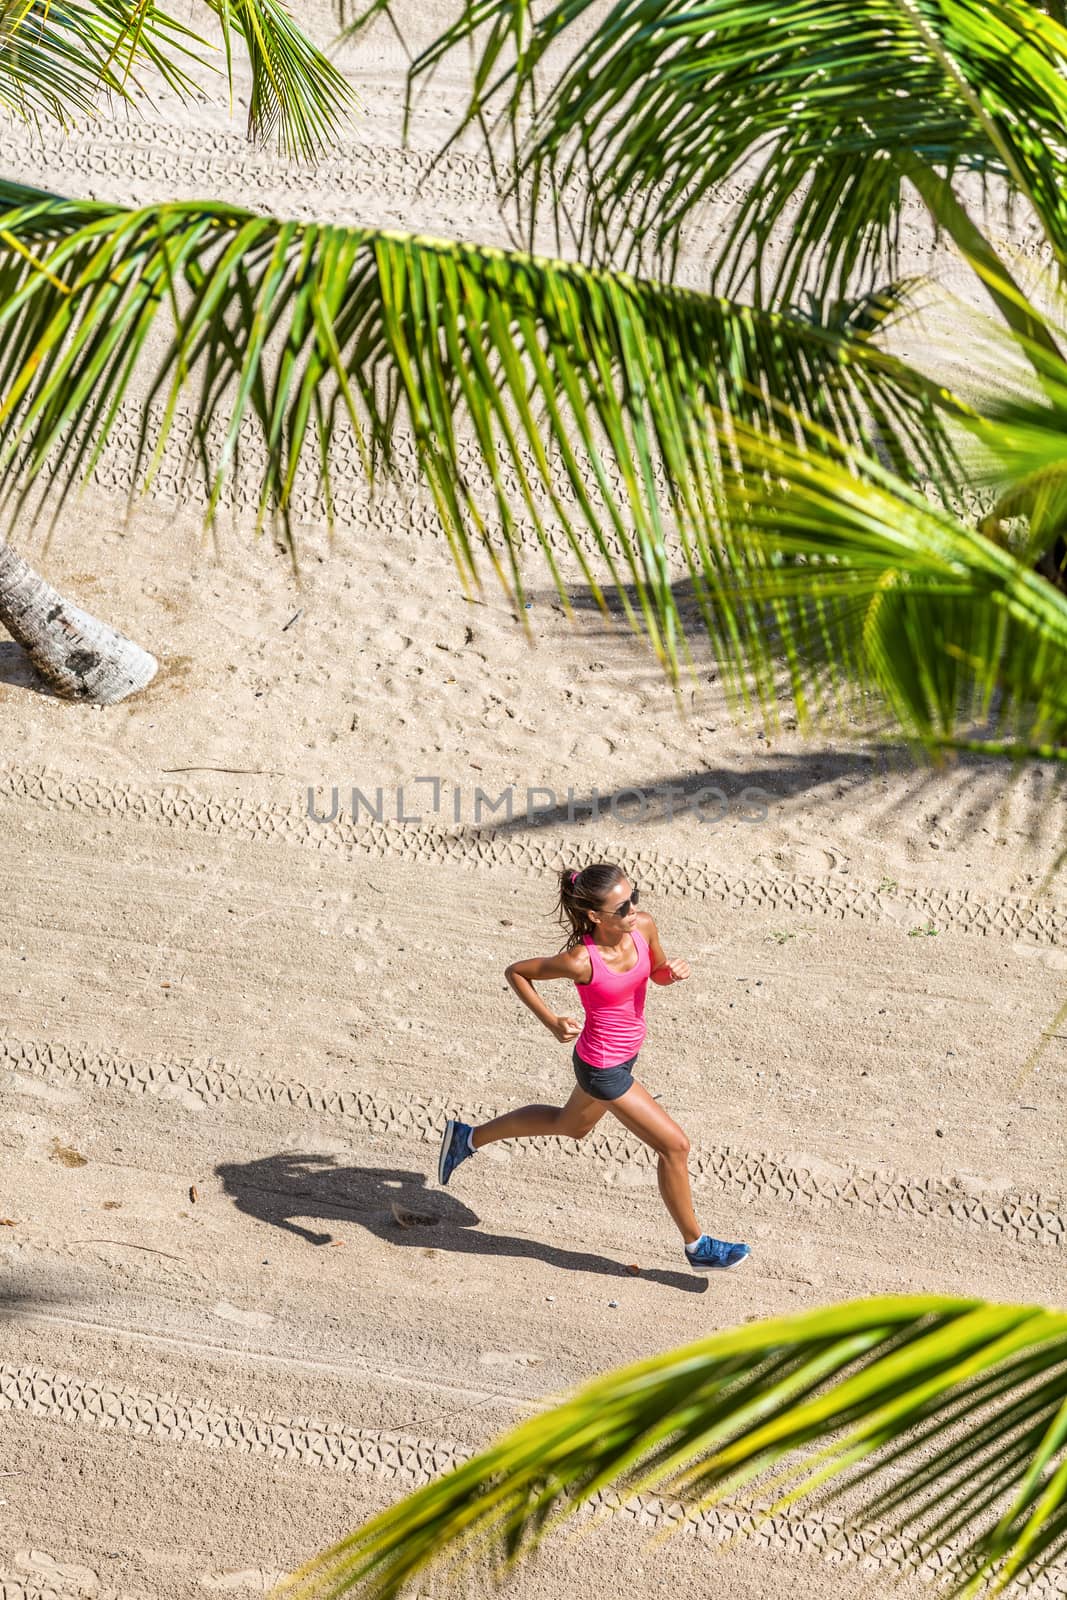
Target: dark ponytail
582,891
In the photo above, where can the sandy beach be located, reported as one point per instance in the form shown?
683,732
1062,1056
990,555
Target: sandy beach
240,1315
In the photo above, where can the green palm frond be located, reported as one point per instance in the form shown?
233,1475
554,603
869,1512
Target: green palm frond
871,583
1022,454
597,404
298,96
648,429
946,1418
822,108
58,58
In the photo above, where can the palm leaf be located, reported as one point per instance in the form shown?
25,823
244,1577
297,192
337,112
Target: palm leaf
57,59
904,1406
298,95
821,109
1021,453
596,404
610,413
871,580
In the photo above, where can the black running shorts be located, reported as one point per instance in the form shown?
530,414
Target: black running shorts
603,1083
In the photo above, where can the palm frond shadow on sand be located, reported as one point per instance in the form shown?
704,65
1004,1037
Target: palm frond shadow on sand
968,796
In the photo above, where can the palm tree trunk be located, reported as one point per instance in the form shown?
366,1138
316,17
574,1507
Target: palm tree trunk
81,658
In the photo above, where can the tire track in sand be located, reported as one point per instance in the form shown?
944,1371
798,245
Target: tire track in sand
241,819
1035,1219
409,1462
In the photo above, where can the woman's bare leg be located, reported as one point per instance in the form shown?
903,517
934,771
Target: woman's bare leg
637,1111
572,1121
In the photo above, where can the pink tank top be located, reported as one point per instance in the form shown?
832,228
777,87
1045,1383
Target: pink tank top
614,1004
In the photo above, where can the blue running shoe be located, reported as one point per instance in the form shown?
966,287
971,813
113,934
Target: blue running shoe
708,1254
454,1149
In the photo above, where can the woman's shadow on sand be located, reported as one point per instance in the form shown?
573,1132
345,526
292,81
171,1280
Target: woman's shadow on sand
395,1206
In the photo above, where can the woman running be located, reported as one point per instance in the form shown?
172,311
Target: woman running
612,952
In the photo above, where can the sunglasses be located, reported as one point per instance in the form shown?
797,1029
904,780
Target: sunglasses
624,909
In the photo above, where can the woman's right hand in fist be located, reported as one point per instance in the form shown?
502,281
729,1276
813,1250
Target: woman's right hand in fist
565,1029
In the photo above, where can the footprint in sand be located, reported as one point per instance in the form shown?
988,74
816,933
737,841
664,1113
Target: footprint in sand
808,860
37,1089
61,1573
1056,959
247,1319
248,1578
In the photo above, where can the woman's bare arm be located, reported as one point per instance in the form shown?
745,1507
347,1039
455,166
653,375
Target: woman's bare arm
663,971
522,975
